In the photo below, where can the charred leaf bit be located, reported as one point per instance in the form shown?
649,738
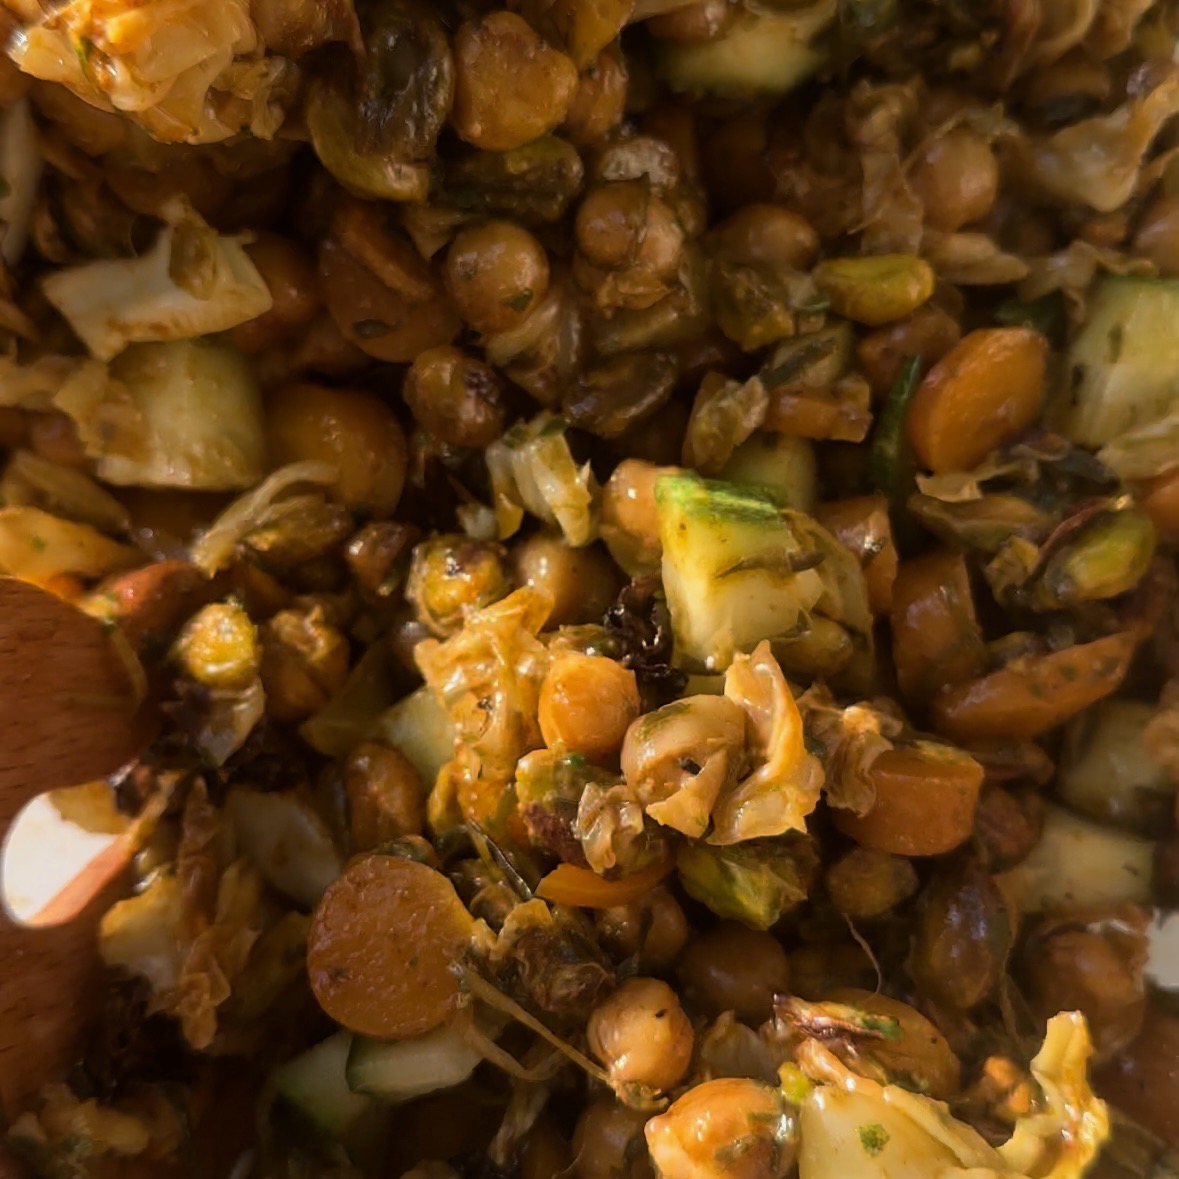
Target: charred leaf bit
641,623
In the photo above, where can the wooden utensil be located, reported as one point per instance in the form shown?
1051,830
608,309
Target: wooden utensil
64,719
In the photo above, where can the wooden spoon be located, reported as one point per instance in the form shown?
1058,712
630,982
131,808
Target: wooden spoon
61,683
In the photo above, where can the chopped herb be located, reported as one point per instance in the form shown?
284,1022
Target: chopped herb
370,329
873,1138
520,301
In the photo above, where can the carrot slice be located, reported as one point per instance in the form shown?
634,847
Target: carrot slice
383,946
568,884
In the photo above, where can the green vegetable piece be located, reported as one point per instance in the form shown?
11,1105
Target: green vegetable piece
736,569
754,882
1106,557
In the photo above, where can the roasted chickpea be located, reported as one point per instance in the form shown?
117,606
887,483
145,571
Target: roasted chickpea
1144,1079
497,273
653,929
1157,237
54,437
642,1036
451,576
630,521
455,397
218,647
734,968
765,235
701,1128
608,1142
866,883
290,277
587,702
510,85
582,582
957,177
622,224
386,798
353,430
600,100
304,663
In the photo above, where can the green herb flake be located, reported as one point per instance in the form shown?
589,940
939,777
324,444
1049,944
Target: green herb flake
873,1138
520,301
370,329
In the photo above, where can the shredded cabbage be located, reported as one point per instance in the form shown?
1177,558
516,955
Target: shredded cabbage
192,282
36,546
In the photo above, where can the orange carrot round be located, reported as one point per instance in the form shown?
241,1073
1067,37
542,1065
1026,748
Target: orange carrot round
567,884
383,946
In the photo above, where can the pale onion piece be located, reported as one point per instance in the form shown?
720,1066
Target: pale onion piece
213,549
763,53
441,1059
115,302
66,491
422,729
36,546
33,386
200,415
1144,452
287,841
20,167
1078,865
144,934
1163,966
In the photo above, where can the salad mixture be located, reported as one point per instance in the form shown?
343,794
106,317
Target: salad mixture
651,530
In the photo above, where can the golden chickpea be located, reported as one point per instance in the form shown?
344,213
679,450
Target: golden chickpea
866,883
766,235
608,1141
703,1126
600,101
386,798
304,663
353,430
583,582
510,85
54,437
705,21
218,647
290,277
455,397
451,576
587,702
1158,235
642,1036
929,333
497,273
957,177
630,520
734,968
623,224
653,929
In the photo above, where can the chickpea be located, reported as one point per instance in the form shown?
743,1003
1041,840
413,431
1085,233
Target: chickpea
376,556
497,273
734,968
510,86
456,398
54,437
290,276
218,647
453,575
697,1134
766,235
600,100
704,21
1144,1079
630,521
816,968
304,663
929,333
608,1141
351,429
653,929
866,883
957,178
386,798
642,1036
1007,826
622,224
1157,237
587,702
582,582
